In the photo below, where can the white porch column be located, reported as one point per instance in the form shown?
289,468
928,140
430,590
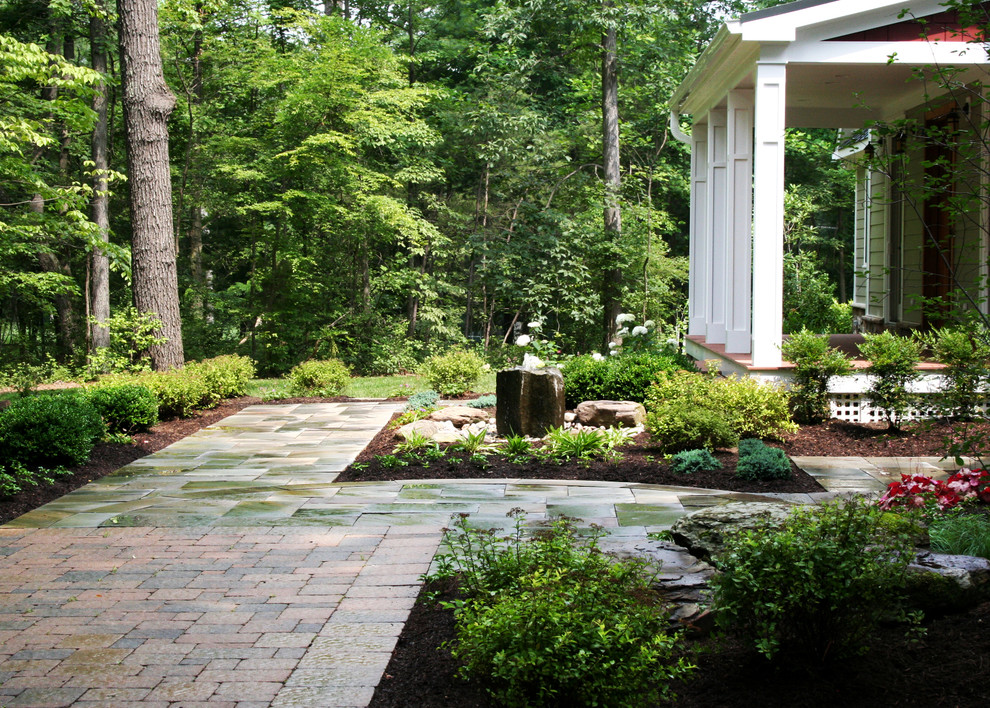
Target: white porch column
768,214
699,280
739,226
715,225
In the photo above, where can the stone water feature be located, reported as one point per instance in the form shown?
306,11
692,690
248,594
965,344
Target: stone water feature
530,401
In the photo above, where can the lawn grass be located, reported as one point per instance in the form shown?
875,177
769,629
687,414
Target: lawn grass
367,386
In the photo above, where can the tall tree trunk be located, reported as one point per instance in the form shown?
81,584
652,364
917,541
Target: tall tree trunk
610,153
147,105
99,265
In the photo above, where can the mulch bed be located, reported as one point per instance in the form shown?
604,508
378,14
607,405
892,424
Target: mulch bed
945,667
640,463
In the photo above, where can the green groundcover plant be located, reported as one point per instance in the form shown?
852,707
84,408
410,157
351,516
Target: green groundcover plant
818,585
552,621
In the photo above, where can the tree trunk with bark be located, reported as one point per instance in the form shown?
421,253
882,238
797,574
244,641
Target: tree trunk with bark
147,105
612,277
99,264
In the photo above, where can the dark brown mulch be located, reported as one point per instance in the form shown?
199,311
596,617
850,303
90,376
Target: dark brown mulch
841,439
108,457
946,667
640,463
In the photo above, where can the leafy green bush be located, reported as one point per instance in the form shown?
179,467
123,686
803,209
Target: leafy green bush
819,585
125,408
892,368
815,363
132,334
553,621
180,393
325,377
626,377
690,461
750,407
453,373
48,429
224,376
758,461
961,534
966,355
422,400
486,401
809,297
682,426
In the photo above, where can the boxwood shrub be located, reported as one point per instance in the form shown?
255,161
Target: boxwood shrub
125,408
625,377
49,429
323,377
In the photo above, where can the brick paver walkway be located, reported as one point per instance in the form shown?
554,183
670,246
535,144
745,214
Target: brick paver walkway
230,569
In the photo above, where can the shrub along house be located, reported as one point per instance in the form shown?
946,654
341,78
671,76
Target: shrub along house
848,65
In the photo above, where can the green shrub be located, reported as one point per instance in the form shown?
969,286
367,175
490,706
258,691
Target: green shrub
626,377
758,461
682,426
553,621
892,361
453,373
961,534
750,407
46,429
815,364
966,355
486,401
422,401
325,377
690,461
818,585
132,334
180,393
125,408
225,376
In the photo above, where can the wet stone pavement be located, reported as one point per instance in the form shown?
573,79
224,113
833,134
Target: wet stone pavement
230,570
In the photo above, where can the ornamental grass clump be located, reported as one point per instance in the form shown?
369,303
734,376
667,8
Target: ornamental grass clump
819,585
553,621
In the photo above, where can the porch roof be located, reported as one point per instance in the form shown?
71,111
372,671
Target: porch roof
839,71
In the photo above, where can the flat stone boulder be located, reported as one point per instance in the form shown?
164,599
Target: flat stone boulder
941,583
459,415
434,430
704,532
530,401
607,414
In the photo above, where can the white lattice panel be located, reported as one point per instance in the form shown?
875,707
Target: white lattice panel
856,408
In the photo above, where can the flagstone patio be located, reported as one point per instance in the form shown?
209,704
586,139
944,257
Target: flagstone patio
230,569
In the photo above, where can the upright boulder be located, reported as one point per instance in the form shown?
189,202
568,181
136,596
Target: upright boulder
530,401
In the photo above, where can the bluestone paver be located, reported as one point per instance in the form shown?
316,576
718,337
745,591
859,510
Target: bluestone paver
231,569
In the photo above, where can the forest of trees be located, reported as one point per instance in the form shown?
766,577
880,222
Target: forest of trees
373,181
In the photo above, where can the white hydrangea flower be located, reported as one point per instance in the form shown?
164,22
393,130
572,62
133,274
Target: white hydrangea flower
597,356
622,332
522,340
623,318
639,331
532,362
613,352
535,324
649,324
612,345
